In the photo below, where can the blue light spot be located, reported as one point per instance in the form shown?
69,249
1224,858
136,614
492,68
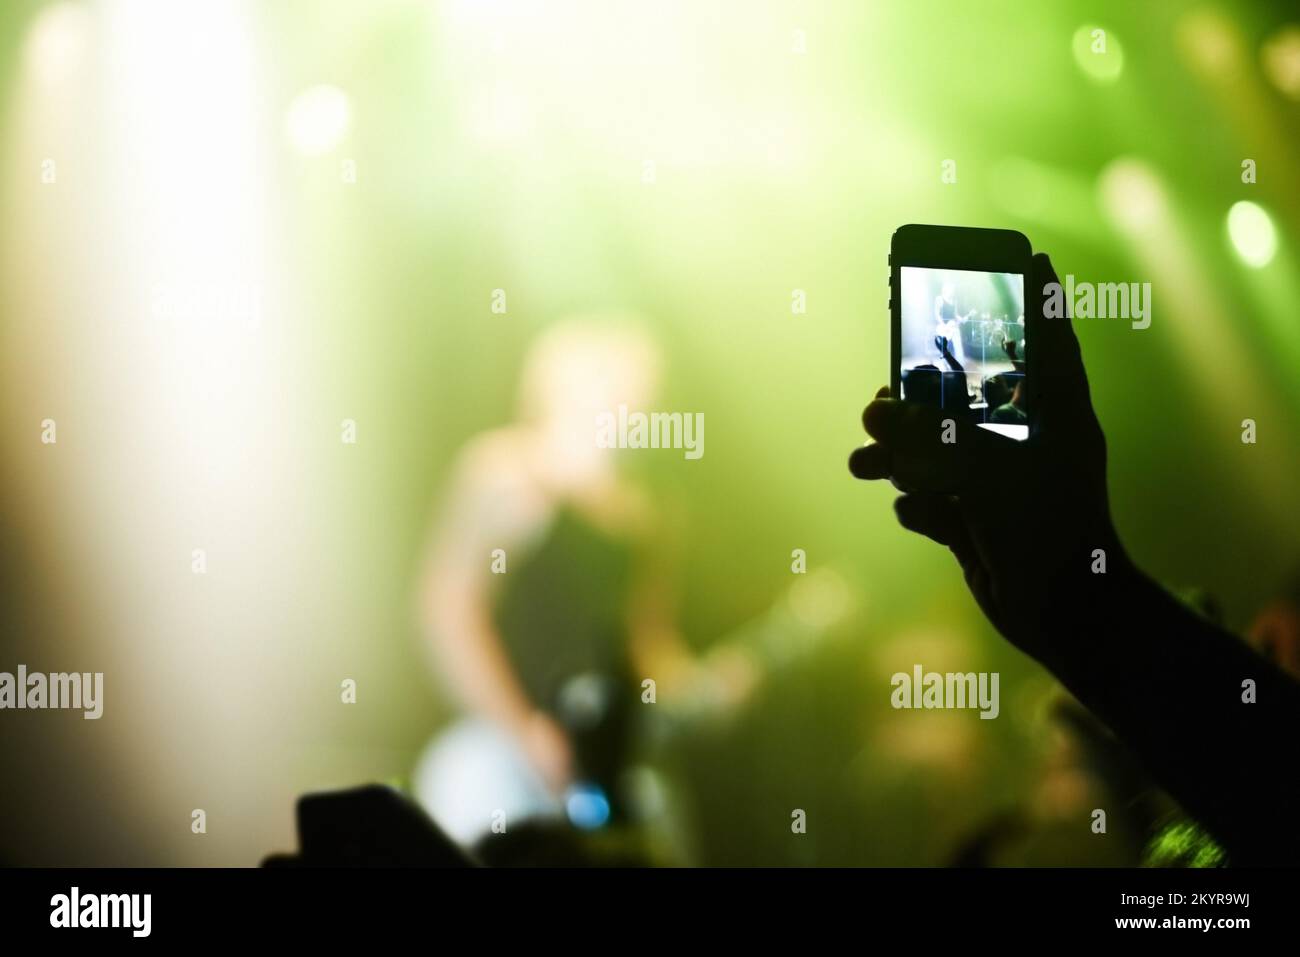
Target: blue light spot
587,807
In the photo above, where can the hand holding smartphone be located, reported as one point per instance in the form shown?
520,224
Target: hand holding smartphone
957,313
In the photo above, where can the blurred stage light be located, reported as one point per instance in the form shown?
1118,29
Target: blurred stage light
58,41
1132,196
1252,233
1280,56
820,599
318,119
1098,53
1203,323
1210,42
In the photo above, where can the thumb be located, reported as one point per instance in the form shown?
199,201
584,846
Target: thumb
1057,380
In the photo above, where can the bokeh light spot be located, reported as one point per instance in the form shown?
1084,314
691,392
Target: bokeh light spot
1280,56
1132,196
1098,53
1252,233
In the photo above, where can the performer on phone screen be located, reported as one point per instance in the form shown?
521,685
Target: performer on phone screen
947,322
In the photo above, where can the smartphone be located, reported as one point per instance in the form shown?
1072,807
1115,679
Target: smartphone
957,314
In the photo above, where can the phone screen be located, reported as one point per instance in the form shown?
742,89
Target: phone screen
963,345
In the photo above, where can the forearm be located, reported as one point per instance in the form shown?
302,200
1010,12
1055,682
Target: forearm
475,663
1170,685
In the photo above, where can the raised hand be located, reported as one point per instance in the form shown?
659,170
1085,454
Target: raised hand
1167,682
955,492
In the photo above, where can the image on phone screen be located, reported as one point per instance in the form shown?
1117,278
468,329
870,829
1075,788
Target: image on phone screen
963,345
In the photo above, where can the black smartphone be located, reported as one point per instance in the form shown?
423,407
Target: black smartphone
957,313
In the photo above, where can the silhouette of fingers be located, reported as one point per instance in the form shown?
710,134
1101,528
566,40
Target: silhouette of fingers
938,518
928,450
870,462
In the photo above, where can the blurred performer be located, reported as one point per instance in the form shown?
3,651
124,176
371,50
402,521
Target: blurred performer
545,603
